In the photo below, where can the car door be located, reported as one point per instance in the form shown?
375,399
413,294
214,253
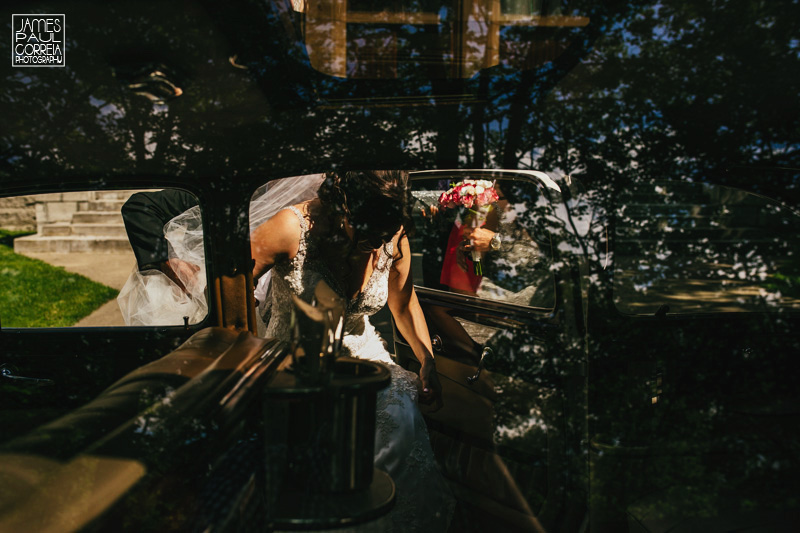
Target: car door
694,329
113,425
66,257
508,350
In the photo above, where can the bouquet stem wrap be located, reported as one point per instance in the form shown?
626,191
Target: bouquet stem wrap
478,220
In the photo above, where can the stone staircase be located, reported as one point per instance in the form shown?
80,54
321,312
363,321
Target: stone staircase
78,222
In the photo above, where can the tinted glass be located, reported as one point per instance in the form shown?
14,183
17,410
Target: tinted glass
516,270
704,248
390,40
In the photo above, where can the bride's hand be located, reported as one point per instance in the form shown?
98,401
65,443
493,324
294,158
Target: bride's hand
431,388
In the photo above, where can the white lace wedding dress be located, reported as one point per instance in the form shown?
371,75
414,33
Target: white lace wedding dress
402,448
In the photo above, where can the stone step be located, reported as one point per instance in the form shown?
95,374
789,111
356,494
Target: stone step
112,195
56,229
71,244
102,205
97,217
101,230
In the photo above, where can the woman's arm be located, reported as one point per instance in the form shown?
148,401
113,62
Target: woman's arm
277,238
410,321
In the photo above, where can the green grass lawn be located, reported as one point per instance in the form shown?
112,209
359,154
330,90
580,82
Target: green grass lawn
36,294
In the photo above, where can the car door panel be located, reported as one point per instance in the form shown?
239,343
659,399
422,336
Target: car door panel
505,436
697,334
102,462
501,437
76,366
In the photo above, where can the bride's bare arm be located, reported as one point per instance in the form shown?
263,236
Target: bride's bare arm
410,320
276,238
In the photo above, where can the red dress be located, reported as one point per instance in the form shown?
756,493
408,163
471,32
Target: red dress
452,274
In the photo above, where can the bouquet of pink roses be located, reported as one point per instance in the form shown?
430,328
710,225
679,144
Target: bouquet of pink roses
469,193
477,196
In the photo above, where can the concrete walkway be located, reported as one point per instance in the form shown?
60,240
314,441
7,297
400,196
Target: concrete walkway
111,269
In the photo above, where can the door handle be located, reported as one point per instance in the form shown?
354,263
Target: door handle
436,343
7,372
486,351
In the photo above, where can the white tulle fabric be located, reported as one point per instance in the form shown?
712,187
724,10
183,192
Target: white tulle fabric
402,448
150,298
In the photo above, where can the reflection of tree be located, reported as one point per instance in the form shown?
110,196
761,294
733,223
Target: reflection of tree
85,118
674,89
638,90
670,92
522,265
702,248
653,95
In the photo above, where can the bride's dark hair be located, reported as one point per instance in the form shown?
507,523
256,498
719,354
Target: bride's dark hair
375,202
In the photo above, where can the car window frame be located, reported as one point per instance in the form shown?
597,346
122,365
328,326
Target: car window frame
550,191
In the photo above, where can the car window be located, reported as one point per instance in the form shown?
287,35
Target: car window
704,248
385,40
515,269
88,258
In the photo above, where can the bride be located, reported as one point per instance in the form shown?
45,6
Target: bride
353,236
351,233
